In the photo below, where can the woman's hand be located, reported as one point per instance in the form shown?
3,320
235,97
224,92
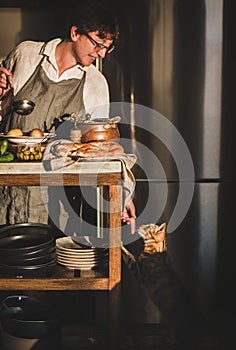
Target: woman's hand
129,215
5,81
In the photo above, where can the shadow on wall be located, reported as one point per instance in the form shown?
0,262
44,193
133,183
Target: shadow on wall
29,24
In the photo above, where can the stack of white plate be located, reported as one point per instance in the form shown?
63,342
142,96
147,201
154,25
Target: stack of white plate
75,256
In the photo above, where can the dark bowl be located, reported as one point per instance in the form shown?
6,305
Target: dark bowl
23,241
17,303
27,255
27,317
24,238
26,261
44,270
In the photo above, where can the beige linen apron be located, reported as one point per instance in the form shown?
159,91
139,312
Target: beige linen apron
52,100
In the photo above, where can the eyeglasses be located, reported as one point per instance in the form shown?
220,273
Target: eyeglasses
99,46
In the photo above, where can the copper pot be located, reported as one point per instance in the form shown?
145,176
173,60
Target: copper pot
99,132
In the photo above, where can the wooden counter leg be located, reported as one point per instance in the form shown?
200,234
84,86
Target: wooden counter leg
115,267
114,318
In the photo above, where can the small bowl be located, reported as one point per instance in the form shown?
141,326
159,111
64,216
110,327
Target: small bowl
27,317
23,106
30,152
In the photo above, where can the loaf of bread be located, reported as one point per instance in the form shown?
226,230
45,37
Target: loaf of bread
63,149
95,149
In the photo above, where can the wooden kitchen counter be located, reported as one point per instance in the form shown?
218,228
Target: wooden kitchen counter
78,174
87,173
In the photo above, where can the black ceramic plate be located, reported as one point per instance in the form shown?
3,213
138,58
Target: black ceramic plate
19,241
24,250
29,254
29,267
29,271
25,237
22,261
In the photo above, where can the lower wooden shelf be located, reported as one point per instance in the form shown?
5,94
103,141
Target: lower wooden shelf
54,283
60,278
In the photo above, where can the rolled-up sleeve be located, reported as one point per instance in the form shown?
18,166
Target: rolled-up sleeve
96,94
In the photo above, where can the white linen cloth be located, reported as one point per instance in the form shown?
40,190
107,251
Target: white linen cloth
51,161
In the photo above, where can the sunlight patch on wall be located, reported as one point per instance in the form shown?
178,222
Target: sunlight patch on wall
10,28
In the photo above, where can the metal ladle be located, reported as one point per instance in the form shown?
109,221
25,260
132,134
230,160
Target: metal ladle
23,107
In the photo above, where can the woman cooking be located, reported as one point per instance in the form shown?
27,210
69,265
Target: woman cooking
60,77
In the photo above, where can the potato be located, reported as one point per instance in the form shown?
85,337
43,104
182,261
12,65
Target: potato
15,132
36,133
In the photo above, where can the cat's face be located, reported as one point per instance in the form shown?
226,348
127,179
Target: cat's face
154,237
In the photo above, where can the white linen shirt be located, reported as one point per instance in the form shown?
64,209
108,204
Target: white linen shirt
26,56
